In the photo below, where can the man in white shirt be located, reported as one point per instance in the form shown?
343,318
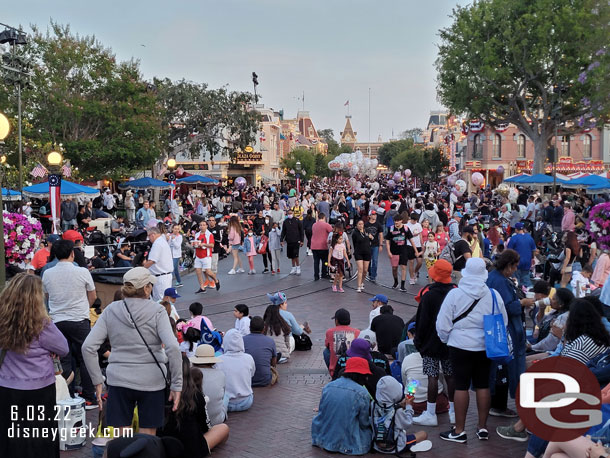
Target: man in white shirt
415,262
204,246
108,201
378,301
70,292
160,262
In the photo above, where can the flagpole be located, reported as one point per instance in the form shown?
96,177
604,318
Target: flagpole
369,148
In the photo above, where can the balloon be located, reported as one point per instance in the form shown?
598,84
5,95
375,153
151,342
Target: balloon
353,171
240,183
352,182
391,184
372,173
397,177
408,173
513,195
477,179
374,163
451,180
367,163
272,188
358,184
349,164
460,187
500,169
375,186
503,189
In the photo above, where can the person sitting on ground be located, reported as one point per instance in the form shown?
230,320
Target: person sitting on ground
343,422
123,257
242,320
239,368
413,368
407,346
384,407
379,359
388,329
581,281
550,328
279,330
585,335
280,299
170,295
262,349
338,339
196,309
213,385
360,348
192,336
190,423
377,302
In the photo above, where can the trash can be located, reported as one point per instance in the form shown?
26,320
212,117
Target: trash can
107,282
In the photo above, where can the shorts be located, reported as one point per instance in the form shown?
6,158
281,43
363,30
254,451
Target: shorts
339,265
410,253
203,263
362,256
122,401
431,366
292,250
470,368
235,247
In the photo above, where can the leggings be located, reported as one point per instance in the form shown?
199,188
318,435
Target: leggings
267,255
275,254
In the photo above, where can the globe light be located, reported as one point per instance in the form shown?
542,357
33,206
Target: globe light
54,158
5,127
171,163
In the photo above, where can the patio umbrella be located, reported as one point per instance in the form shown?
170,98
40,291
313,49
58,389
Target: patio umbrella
516,178
591,180
539,178
599,188
9,194
198,179
41,190
145,183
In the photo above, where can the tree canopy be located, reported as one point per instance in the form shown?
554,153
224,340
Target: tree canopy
533,63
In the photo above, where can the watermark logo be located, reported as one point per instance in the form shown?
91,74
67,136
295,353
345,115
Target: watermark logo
559,399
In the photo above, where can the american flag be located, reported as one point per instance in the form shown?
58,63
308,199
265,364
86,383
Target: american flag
346,103
39,171
180,170
66,170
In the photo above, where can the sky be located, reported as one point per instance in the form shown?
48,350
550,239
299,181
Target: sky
330,50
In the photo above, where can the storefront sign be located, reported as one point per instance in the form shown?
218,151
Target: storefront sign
252,156
472,164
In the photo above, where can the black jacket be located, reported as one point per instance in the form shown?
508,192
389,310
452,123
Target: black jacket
426,337
292,231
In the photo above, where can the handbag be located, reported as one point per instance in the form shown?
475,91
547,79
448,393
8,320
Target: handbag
262,245
302,342
497,343
165,376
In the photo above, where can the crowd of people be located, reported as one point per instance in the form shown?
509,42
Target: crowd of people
531,259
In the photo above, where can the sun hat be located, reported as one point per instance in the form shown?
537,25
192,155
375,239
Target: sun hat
204,354
441,271
360,348
357,365
139,277
475,267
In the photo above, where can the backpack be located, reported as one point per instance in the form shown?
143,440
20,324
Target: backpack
210,337
396,370
302,342
384,437
389,221
448,253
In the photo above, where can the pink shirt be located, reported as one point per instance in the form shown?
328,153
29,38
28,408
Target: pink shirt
196,320
319,235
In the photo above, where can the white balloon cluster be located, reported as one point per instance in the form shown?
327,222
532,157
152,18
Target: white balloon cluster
354,163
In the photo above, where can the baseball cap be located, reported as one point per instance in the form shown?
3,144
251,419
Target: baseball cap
519,226
458,214
52,238
342,316
411,326
379,297
139,277
72,235
171,292
467,229
369,336
357,365
360,348
441,271
372,212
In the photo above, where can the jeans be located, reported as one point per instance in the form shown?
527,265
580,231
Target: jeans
536,446
320,256
523,277
326,355
68,224
177,270
239,406
373,263
75,333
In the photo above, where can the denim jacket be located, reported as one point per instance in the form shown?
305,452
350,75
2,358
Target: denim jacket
343,423
257,240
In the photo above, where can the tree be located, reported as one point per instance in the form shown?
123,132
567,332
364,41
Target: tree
423,162
413,133
102,111
390,150
532,63
305,157
217,120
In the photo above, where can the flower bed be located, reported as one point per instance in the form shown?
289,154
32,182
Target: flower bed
21,237
599,225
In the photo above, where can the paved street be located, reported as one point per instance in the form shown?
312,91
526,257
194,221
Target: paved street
278,425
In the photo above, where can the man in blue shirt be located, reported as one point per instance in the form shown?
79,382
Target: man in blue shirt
263,351
523,243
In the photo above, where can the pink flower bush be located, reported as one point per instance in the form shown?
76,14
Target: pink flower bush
599,225
22,235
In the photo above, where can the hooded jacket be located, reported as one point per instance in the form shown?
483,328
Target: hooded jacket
237,365
130,364
426,339
468,333
431,216
389,393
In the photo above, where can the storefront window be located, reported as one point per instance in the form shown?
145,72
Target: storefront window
497,151
521,145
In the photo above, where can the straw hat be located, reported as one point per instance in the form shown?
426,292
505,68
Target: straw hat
204,354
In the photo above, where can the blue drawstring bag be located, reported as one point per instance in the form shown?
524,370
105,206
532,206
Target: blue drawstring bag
497,341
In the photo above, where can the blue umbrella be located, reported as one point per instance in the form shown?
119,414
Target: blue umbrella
41,190
599,188
9,194
516,178
540,178
591,180
198,179
145,183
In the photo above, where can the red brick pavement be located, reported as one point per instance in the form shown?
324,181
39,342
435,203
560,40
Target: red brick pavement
279,423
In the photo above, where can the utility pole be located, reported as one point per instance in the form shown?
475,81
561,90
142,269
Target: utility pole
369,147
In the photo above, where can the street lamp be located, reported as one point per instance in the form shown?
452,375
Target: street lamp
5,129
297,166
171,163
171,177
55,159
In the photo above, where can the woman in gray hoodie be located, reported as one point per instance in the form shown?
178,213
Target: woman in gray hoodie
142,346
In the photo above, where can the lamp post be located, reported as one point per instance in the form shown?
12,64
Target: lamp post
55,159
171,177
297,167
5,129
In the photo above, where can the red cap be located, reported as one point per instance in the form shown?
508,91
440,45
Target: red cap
357,365
72,235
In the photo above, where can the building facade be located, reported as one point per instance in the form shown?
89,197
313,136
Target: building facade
348,138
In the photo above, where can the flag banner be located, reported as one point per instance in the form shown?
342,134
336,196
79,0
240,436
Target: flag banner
39,171
346,103
66,170
55,199
171,177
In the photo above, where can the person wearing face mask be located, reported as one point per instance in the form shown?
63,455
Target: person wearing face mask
264,241
293,235
250,243
462,252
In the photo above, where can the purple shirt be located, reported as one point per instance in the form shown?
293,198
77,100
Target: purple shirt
33,369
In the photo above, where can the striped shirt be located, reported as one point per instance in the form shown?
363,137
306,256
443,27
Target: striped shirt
583,349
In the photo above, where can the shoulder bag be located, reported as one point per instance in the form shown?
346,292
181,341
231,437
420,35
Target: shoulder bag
497,340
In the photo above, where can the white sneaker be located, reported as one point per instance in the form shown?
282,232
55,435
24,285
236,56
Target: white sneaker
298,272
232,272
241,271
309,252
293,271
426,419
452,417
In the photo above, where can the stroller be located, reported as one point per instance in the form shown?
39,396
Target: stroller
101,244
140,245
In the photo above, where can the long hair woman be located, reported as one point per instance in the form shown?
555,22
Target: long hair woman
571,252
235,240
585,335
280,331
28,339
362,252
